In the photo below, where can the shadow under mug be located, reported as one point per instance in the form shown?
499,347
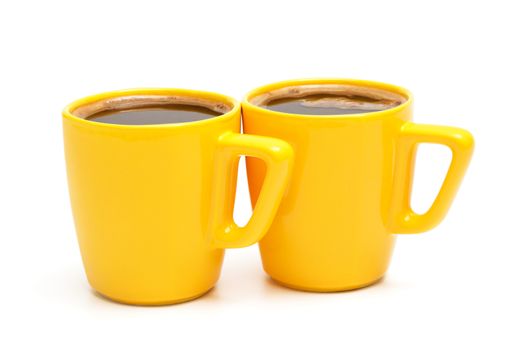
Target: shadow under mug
153,203
351,183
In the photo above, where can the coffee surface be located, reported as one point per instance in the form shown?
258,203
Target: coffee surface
329,104
166,114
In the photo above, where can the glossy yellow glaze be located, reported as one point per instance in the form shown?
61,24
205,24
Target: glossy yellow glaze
350,189
153,204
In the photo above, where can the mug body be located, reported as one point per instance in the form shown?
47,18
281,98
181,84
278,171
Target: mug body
330,232
140,196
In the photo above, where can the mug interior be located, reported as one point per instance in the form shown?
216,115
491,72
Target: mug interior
341,96
132,102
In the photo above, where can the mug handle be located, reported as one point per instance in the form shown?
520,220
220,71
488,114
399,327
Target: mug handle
402,218
278,156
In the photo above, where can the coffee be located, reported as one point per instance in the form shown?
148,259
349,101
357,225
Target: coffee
158,115
151,109
330,99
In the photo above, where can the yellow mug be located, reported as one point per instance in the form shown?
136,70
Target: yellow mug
351,183
153,203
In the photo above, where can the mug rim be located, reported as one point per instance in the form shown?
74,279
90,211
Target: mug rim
246,101
68,114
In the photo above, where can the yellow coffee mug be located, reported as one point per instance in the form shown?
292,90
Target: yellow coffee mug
153,203
351,183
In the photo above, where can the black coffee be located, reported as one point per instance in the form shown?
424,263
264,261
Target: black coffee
166,114
329,104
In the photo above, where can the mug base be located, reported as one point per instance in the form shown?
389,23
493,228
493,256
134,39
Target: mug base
151,303
326,289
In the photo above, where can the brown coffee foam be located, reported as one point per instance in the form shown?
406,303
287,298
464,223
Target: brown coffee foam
344,102
384,98
141,101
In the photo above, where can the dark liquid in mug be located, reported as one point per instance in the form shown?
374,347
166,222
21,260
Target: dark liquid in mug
328,104
167,114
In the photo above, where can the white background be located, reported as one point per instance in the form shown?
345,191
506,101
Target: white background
459,286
